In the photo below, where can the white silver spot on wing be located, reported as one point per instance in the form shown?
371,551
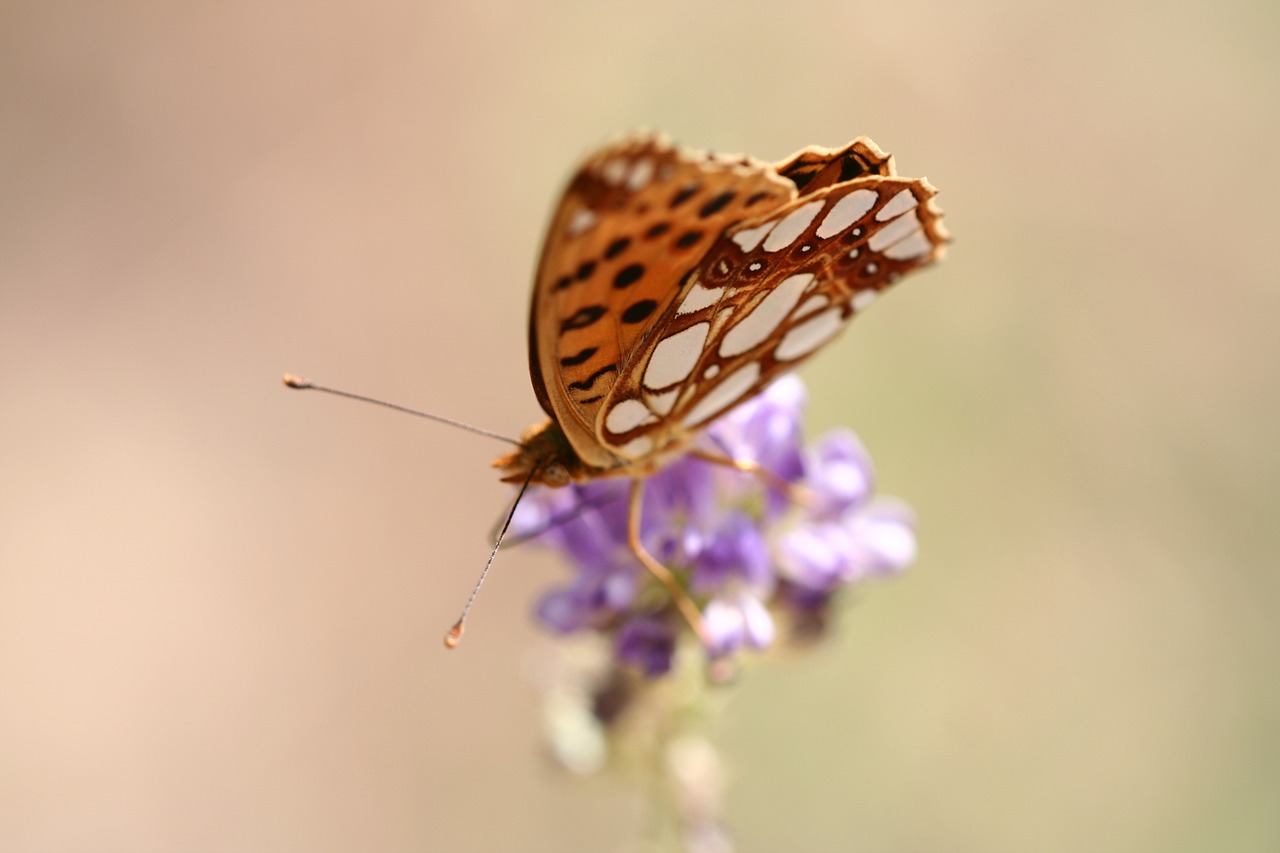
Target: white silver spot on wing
900,203
912,246
847,211
863,298
754,328
698,297
627,415
712,370
730,390
581,221
792,226
662,403
750,238
805,337
813,303
614,172
675,356
637,447
896,230
641,174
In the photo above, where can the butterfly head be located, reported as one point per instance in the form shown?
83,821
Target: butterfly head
545,457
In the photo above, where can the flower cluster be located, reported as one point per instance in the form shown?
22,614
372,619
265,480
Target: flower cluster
753,554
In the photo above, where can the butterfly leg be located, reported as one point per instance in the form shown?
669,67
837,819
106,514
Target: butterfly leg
679,597
796,494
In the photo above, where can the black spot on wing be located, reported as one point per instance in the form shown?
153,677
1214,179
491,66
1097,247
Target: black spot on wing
617,247
716,204
582,318
628,275
657,230
639,311
755,198
585,385
578,358
684,195
688,238
585,271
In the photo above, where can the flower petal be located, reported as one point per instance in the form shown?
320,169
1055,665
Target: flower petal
838,471
884,538
648,642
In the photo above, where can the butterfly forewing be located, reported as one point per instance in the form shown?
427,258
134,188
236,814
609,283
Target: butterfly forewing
771,291
635,220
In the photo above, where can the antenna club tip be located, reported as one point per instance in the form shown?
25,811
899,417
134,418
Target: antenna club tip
295,381
454,636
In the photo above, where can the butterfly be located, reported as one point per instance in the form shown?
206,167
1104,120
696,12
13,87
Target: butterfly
674,285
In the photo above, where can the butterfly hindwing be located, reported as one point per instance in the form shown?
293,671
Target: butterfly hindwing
771,291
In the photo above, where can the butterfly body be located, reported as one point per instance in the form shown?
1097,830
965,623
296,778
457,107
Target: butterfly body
675,284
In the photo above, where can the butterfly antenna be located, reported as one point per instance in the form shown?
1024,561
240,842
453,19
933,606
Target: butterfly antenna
555,521
454,634
307,385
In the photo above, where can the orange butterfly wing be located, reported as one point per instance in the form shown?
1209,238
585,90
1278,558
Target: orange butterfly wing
636,218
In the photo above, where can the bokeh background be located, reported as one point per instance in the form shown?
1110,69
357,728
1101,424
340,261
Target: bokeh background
221,602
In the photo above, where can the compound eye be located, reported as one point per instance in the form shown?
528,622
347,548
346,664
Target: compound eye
555,474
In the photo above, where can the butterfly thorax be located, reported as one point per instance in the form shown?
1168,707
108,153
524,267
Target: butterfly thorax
546,451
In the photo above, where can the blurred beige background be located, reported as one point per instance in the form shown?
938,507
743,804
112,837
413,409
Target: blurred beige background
221,602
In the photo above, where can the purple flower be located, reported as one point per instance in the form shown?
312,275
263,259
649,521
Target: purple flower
736,549
747,548
648,642
738,619
839,473
865,541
